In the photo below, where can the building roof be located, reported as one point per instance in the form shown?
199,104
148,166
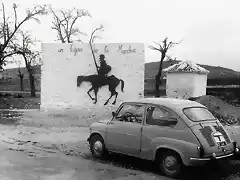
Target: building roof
186,67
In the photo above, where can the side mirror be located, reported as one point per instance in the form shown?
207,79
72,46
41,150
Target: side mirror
113,114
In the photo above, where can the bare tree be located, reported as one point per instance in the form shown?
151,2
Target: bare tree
31,57
9,27
64,22
93,37
20,74
163,47
171,60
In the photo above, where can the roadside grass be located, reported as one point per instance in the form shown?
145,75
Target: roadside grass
19,101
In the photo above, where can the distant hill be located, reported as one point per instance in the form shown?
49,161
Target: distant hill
13,83
14,72
216,72
217,76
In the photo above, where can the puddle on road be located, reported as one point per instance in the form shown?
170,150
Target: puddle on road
108,173
224,170
227,170
10,117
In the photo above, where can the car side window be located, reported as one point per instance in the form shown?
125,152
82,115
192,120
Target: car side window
131,113
160,116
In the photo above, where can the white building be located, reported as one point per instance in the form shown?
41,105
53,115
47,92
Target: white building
186,79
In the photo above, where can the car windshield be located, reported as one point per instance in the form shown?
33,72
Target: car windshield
197,114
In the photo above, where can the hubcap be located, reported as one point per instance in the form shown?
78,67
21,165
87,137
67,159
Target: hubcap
170,164
98,148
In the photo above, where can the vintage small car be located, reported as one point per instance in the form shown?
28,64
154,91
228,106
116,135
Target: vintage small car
173,133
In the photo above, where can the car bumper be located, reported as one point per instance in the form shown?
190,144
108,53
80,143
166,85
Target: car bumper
198,161
211,158
236,156
203,161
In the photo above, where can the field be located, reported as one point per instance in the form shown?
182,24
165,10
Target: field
19,101
217,76
13,84
219,101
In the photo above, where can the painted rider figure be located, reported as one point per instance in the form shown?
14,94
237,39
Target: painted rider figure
104,68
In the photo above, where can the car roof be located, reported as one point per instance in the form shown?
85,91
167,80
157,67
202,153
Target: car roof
172,103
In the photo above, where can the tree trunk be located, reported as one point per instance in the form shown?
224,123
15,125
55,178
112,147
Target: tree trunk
21,83
157,84
158,81
30,76
32,84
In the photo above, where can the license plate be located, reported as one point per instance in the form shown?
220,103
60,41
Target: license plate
221,144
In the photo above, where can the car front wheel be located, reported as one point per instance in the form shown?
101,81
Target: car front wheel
170,164
97,146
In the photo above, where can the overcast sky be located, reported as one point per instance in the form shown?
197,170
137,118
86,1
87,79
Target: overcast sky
210,29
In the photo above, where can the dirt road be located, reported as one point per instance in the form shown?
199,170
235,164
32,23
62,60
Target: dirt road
34,153
47,153
23,165
28,153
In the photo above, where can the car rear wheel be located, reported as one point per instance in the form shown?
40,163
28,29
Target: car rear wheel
97,146
170,164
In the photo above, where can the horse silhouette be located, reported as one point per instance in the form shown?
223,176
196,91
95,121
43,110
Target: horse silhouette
98,81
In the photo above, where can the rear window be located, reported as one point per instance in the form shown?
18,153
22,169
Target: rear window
197,114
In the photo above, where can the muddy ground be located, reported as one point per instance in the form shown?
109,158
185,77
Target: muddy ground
28,151
48,154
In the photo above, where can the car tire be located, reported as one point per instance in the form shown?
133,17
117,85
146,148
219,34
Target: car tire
170,163
97,146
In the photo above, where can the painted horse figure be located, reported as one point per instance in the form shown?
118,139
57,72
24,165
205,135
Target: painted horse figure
100,81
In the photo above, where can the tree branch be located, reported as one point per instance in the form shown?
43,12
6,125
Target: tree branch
9,55
158,44
15,14
4,24
65,22
57,27
10,28
154,48
65,26
91,40
30,14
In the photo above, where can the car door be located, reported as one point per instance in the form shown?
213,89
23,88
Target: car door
160,125
123,134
